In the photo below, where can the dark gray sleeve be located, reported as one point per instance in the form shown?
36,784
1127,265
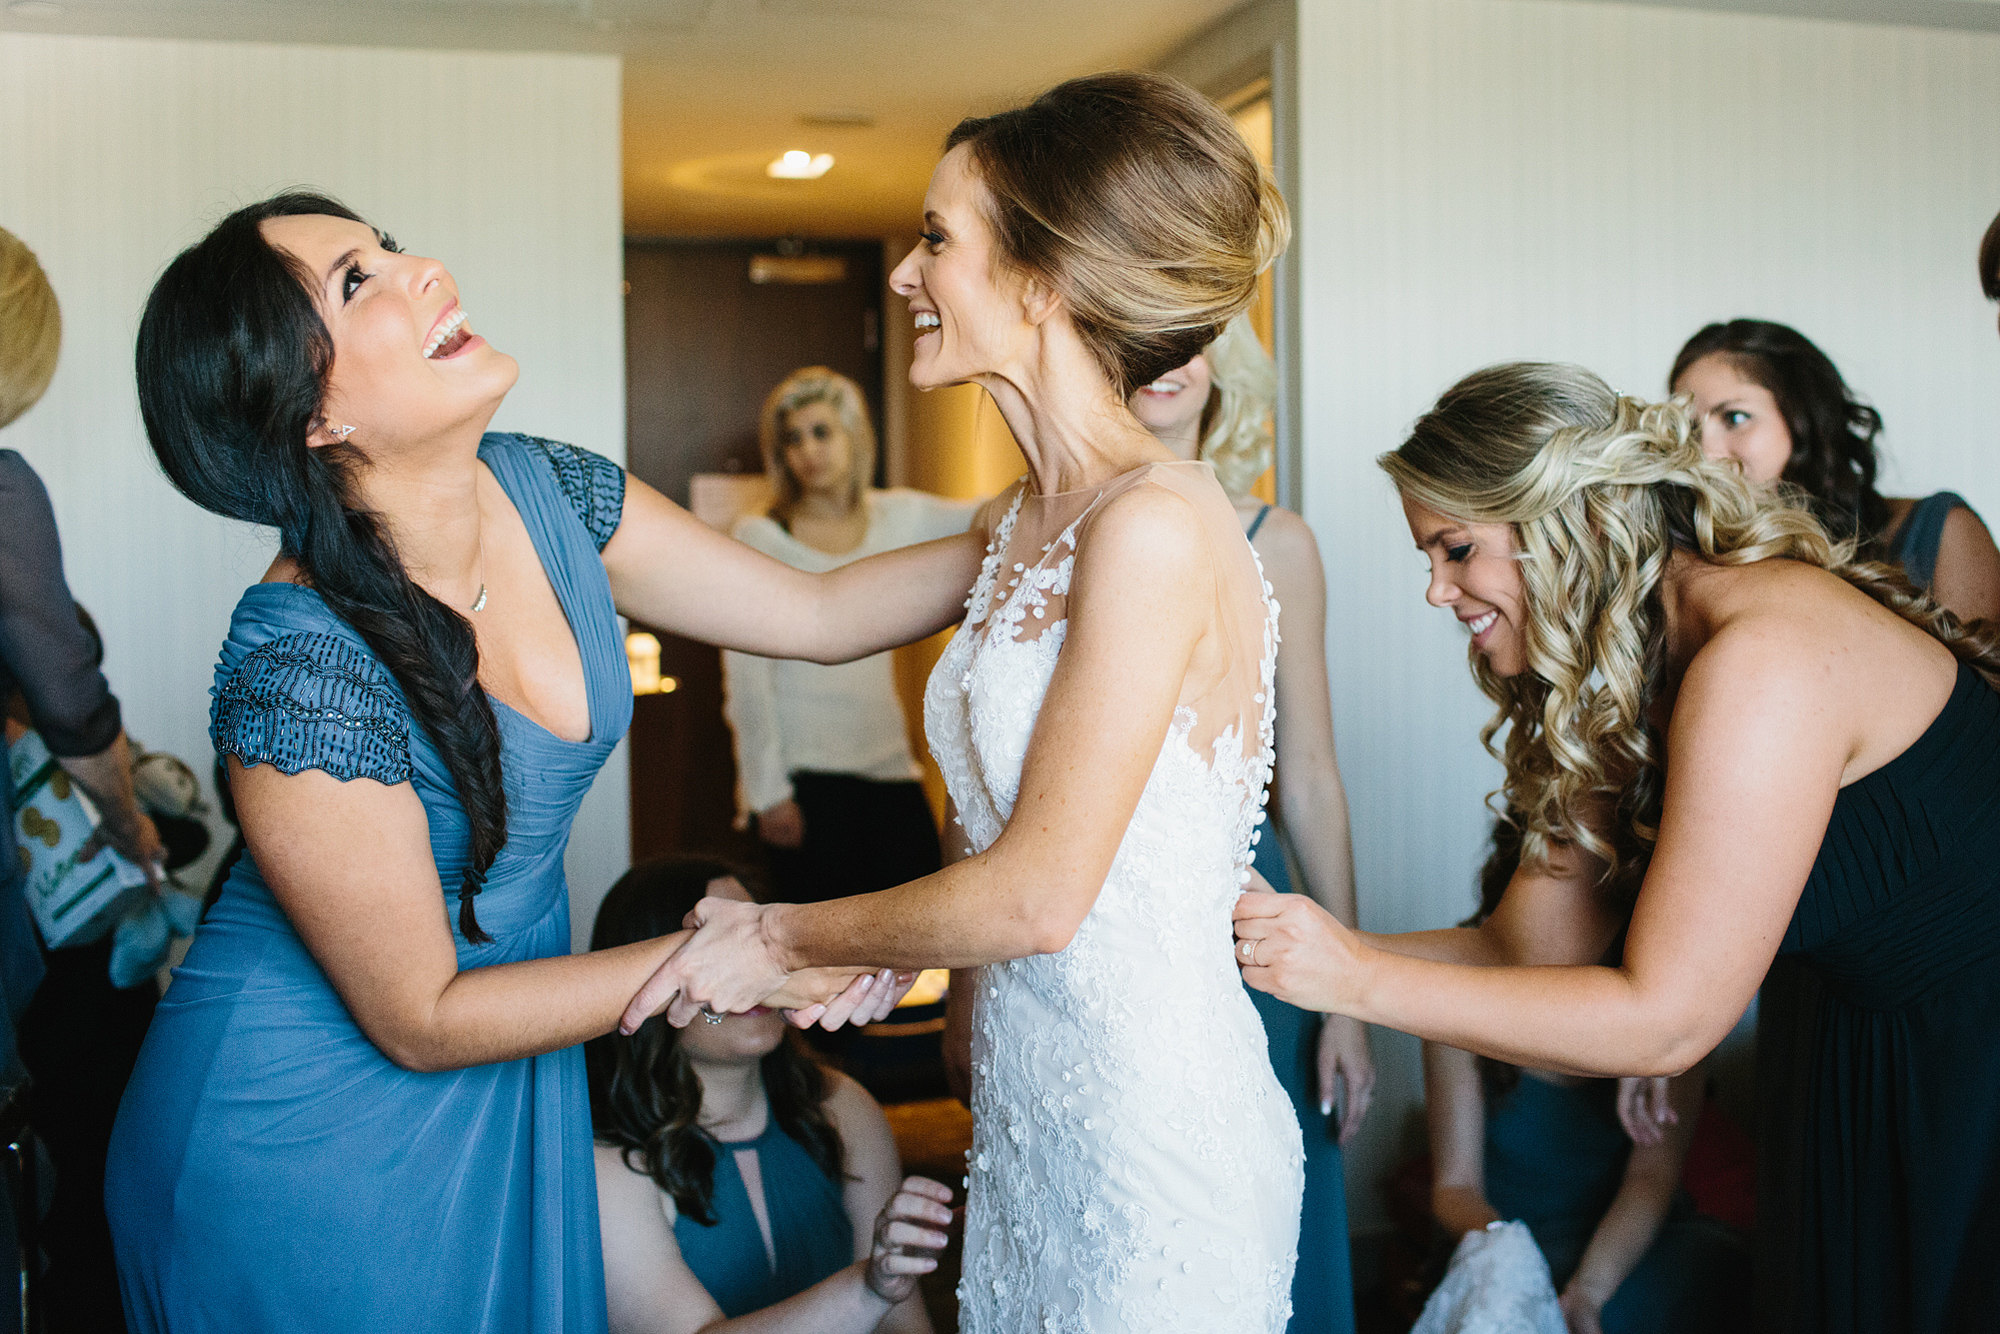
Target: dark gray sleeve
45,649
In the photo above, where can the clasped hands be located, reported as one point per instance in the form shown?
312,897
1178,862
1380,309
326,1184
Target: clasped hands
730,965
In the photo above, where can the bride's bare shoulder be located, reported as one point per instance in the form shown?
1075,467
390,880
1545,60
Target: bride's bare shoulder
1146,532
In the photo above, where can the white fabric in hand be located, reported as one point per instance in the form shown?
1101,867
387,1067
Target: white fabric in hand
1498,1283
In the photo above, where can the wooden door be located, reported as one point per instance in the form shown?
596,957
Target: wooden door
703,346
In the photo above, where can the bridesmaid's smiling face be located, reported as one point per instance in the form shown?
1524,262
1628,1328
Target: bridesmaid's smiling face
406,364
1474,572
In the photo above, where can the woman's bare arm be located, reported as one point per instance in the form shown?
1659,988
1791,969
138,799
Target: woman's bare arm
1455,1113
1967,576
1311,796
1734,851
671,570
874,1175
373,915
1553,914
1140,601
1627,1230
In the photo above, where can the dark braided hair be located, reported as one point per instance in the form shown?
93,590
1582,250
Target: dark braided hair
645,1098
233,363
1833,432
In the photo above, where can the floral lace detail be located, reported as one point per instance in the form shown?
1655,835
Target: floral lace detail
313,701
1135,1164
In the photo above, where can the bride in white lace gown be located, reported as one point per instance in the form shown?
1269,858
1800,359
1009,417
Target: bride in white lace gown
1135,1164
1103,720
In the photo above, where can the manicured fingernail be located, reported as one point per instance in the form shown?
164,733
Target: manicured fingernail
1326,1106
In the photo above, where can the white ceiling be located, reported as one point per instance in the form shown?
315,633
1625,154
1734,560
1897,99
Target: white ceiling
714,89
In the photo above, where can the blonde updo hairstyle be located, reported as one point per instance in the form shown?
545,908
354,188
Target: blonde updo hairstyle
1600,489
1236,426
809,385
1136,200
30,328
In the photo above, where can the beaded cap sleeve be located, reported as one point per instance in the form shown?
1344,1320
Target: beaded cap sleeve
314,701
594,484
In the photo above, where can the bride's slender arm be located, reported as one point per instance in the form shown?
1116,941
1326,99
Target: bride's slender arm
1737,842
671,570
1140,600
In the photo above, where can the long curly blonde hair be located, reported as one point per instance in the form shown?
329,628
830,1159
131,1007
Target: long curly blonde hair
1600,489
1236,426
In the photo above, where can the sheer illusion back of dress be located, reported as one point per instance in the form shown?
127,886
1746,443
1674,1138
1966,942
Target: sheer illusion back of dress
1135,1163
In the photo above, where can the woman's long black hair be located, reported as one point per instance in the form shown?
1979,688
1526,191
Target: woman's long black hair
1833,432
645,1097
233,364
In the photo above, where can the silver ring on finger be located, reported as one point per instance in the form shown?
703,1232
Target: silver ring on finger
709,1016
1250,952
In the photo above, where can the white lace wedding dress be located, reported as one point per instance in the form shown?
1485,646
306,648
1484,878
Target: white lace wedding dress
1135,1164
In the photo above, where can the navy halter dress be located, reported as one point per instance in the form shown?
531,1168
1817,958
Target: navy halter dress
1900,1108
271,1168
812,1237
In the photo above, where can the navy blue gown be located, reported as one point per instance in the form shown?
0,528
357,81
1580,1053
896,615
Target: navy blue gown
1900,1108
271,1168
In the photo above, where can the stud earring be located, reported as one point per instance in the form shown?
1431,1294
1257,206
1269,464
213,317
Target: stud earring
340,432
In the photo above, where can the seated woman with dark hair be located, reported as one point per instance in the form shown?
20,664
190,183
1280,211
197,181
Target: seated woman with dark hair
741,1185
1626,1249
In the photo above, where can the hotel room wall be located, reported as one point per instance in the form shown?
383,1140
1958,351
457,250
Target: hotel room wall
116,153
1487,180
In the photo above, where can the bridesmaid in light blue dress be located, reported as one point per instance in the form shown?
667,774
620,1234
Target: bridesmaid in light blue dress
361,1106
290,1097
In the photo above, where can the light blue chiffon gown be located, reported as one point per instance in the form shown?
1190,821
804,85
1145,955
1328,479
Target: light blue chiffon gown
271,1168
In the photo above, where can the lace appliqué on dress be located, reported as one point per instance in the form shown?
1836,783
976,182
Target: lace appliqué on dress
1135,1165
313,701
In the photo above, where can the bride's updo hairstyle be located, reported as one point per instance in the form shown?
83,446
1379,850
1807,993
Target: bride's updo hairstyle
1600,489
233,365
1135,199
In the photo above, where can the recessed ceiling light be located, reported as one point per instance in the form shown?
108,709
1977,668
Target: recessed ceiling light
34,9
799,165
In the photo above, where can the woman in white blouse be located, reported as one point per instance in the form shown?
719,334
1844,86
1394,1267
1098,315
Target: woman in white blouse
823,758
